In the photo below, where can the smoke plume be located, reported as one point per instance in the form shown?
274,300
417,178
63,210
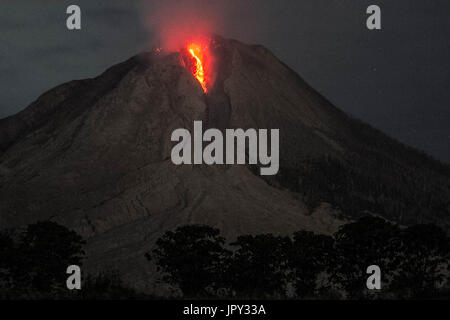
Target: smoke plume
172,22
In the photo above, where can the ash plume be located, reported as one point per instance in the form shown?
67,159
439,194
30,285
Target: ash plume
171,22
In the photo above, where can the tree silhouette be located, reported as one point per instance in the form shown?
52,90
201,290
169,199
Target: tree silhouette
309,257
193,258
107,285
414,262
422,260
36,264
259,266
368,241
7,259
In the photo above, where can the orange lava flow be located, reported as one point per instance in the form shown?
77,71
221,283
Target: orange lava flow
196,52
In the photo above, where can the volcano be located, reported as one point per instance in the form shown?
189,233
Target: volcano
94,155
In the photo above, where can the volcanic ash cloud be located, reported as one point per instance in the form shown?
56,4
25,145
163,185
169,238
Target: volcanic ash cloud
171,23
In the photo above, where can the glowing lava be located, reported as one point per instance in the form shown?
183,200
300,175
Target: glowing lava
198,70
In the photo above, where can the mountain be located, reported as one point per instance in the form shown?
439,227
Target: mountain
94,155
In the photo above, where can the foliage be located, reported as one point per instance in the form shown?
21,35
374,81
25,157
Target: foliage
258,267
422,261
35,264
46,250
308,258
107,285
6,260
368,241
414,262
376,184
191,257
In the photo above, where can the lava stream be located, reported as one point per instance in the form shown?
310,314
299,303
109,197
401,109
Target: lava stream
196,52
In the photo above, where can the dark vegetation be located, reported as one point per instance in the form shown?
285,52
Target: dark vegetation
414,263
380,186
198,262
376,175
33,264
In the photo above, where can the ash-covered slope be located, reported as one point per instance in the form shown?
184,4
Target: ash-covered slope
94,155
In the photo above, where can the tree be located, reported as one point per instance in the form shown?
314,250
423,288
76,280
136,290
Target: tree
308,258
107,285
414,262
192,258
368,241
259,266
422,260
6,261
45,251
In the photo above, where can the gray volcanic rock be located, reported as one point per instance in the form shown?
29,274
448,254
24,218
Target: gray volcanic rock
94,155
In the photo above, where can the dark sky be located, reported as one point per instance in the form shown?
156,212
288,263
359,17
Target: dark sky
396,79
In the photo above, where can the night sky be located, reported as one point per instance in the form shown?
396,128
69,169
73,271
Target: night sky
396,79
